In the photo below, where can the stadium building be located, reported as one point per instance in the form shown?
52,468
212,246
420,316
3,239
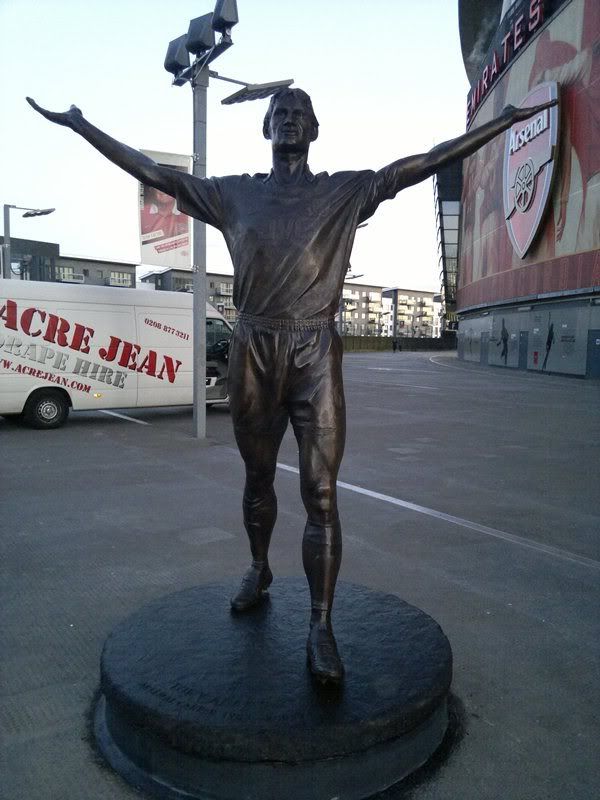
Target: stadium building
520,228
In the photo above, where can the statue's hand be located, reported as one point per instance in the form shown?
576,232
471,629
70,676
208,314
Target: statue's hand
513,114
67,118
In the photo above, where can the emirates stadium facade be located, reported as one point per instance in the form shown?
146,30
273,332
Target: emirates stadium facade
527,242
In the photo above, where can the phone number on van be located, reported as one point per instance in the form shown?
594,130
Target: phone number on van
167,328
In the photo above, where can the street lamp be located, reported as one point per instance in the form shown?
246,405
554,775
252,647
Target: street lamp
347,277
201,42
343,307
29,212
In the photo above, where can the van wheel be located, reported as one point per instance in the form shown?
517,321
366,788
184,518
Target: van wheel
46,408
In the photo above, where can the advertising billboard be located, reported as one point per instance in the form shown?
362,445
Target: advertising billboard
165,232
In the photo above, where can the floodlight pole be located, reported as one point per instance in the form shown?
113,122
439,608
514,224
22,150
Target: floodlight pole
6,248
199,93
200,42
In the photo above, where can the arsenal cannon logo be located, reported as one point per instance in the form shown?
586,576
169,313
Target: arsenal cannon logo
529,160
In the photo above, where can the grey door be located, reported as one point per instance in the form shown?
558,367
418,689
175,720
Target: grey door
483,352
593,354
523,345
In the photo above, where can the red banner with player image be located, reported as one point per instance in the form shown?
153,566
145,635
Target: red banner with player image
165,232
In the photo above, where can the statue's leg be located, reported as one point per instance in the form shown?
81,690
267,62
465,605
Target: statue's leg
259,420
320,455
259,452
318,417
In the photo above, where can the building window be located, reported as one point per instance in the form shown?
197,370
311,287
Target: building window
120,278
64,273
182,284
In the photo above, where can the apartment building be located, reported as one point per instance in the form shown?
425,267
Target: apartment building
75,269
417,313
365,310
362,312
42,261
219,287
219,292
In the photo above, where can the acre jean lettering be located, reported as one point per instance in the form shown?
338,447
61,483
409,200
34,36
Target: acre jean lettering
58,361
56,330
127,353
35,372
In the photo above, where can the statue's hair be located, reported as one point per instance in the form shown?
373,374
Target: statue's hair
299,94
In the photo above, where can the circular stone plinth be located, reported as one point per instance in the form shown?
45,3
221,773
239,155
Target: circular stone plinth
198,702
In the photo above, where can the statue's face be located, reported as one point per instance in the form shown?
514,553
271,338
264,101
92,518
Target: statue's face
291,127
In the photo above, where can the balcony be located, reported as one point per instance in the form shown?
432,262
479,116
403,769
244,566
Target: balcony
70,277
126,281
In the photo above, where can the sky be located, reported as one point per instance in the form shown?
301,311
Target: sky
386,79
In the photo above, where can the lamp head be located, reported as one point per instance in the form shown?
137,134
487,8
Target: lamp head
177,58
38,212
200,35
225,16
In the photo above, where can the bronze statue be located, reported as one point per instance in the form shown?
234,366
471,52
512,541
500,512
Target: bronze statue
290,234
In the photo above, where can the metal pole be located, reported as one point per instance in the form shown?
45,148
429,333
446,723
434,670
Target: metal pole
6,248
395,314
199,92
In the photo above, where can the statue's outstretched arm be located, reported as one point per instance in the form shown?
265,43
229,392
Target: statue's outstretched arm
414,169
132,161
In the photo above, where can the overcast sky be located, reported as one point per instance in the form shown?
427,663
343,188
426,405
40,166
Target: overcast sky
386,79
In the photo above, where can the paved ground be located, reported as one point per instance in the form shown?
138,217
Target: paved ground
470,492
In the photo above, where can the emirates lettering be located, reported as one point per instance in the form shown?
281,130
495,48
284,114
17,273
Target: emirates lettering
519,139
507,43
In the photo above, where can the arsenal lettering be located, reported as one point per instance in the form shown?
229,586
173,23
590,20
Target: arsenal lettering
518,138
529,162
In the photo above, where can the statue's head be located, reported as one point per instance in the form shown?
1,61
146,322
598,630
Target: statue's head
290,122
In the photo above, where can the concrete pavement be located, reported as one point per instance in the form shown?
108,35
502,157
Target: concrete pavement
470,492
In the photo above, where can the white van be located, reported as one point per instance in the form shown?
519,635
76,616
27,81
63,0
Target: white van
88,347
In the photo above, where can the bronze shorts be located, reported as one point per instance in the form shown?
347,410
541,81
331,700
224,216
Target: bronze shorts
282,370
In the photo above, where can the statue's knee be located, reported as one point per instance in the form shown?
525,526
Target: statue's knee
321,503
258,489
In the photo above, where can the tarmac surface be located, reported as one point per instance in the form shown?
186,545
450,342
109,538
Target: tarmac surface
470,492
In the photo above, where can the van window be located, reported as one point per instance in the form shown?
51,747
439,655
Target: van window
216,331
